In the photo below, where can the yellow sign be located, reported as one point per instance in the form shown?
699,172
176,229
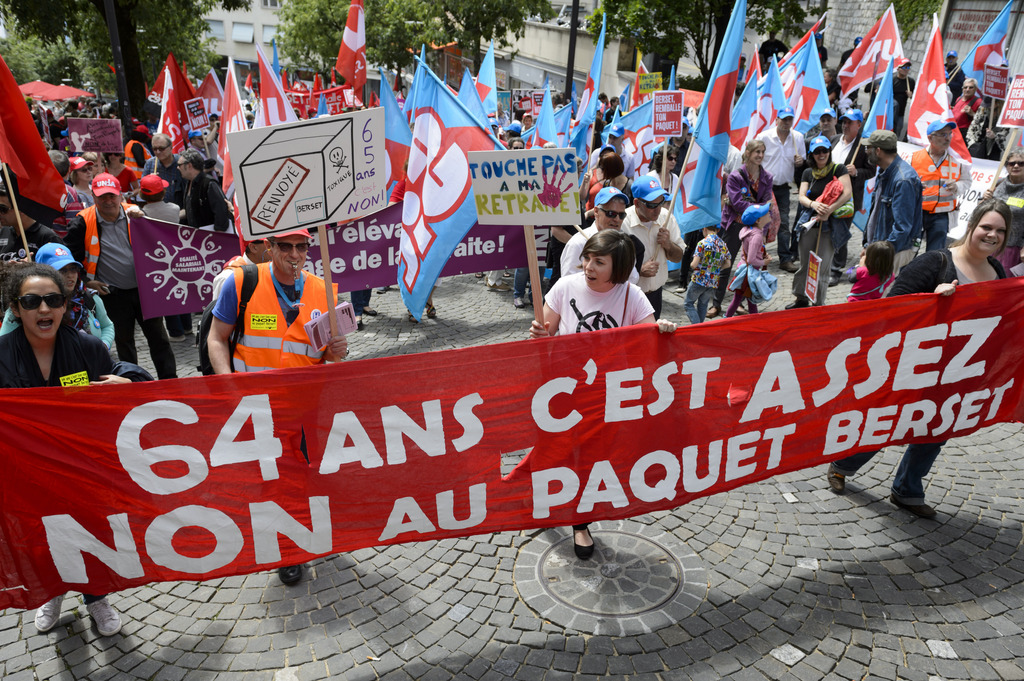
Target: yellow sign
650,82
263,322
81,378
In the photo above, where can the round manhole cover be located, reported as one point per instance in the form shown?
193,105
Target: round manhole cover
639,579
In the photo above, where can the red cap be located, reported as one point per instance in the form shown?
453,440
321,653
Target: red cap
143,129
151,185
294,232
77,163
105,183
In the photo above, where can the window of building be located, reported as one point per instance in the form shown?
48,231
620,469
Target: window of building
215,29
242,33
269,33
270,4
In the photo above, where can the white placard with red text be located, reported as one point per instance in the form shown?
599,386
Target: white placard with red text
1013,108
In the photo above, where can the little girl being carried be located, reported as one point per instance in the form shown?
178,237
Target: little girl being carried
874,274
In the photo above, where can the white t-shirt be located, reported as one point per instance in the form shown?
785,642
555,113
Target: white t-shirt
582,309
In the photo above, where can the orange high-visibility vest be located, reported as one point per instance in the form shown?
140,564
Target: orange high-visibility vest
936,198
92,237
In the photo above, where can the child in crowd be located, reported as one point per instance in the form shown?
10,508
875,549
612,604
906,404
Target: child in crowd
709,259
755,219
874,274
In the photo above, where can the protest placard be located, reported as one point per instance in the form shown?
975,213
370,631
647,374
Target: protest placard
525,187
101,135
813,268
649,82
309,173
668,113
1013,108
994,84
197,118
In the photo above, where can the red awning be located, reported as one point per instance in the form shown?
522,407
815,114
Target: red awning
38,89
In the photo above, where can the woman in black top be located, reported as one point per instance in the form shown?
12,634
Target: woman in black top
971,259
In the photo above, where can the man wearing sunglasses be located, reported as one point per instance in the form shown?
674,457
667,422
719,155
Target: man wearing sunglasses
271,333
944,180
649,221
100,238
609,211
165,164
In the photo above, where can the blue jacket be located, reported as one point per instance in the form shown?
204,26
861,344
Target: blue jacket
898,196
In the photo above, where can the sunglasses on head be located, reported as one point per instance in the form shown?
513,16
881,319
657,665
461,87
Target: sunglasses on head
653,204
286,247
31,301
614,214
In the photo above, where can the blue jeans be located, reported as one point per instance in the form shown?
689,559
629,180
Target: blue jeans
360,299
519,284
696,303
936,229
908,485
786,250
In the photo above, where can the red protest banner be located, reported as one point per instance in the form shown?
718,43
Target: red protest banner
203,477
995,82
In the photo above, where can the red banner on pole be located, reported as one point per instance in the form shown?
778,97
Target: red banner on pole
203,477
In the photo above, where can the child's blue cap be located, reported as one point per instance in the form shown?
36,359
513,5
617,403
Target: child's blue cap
754,213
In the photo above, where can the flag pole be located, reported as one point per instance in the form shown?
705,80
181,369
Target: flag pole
17,211
535,281
686,162
1010,144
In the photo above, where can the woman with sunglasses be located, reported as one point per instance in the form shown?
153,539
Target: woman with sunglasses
600,297
1010,190
819,229
44,351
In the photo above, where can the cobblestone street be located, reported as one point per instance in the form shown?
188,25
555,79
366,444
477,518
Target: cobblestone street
777,580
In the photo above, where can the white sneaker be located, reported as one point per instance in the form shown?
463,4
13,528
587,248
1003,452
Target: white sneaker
108,622
49,614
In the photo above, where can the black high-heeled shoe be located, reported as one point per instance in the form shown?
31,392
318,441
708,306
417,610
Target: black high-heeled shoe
583,552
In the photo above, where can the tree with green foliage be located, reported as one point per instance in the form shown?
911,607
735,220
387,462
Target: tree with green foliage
310,31
696,31
148,30
467,22
28,60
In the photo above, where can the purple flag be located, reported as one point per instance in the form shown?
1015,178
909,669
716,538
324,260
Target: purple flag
175,265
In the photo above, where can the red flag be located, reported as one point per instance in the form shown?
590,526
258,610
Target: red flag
170,119
351,62
318,84
212,93
334,81
41,194
930,104
274,104
233,120
880,44
248,82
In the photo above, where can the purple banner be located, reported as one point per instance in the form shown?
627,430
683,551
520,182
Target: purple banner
175,265
364,253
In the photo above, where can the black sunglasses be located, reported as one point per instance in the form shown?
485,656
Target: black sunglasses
614,214
286,247
1009,164
160,148
652,204
31,301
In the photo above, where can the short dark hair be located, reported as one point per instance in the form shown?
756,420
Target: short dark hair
192,158
617,245
13,275
60,161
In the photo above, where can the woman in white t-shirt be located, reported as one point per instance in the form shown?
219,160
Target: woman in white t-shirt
599,297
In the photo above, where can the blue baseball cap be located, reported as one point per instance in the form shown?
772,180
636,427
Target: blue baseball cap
938,125
616,130
649,189
853,115
827,112
820,142
786,112
56,256
515,126
609,194
493,121
194,134
857,41
952,53
755,212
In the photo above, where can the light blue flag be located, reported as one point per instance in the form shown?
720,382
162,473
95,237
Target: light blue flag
321,109
545,130
880,117
471,99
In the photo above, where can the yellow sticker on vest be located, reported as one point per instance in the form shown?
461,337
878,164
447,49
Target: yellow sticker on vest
1015,202
81,378
263,322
